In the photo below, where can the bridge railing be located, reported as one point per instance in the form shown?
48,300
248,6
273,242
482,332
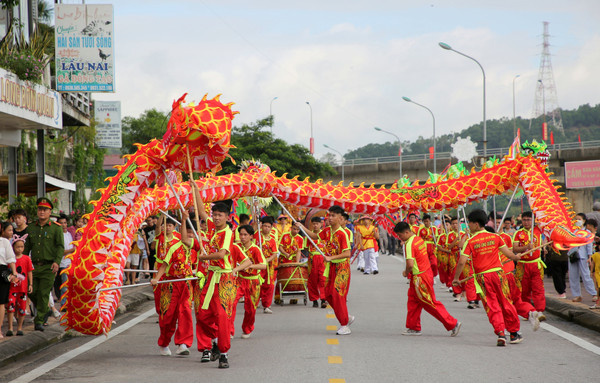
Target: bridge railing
498,152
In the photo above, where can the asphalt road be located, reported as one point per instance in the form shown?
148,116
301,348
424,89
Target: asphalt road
298,344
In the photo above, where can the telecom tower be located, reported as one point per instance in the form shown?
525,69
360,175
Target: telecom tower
546,99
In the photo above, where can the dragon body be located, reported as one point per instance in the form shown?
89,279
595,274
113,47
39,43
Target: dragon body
139,190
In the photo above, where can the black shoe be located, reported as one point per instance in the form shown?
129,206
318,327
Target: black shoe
206,356
315,304
215,353
9,333
501,342
375,272
223,362
515,337
39,327
19,333
323,304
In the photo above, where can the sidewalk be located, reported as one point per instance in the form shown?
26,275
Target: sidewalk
15,347
579,313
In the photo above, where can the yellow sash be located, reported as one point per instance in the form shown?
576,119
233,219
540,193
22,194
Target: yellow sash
478,288
217,271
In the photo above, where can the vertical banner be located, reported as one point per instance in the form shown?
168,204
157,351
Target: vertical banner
544,131
108,128
84,44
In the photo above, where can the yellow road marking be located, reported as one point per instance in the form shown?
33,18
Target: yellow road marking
337,380
330,316
333,341
331,328
334,359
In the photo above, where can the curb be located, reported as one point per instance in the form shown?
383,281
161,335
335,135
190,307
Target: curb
36,341
580,315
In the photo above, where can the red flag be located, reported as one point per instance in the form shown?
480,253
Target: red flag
519,133
551,138
579,138
544,131
400,151
431,152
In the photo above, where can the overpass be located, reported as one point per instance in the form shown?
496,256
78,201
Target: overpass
386,170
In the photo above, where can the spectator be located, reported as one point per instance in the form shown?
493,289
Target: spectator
383,238
7,230
578,266
20,220
7,262
595,268
65,261
150,231
595,214
78,222
17,300
45,244
558,266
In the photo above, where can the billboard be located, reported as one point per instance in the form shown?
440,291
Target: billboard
84,44
582,174
108,128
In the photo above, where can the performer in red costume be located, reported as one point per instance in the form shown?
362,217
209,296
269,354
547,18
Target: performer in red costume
290,245
420,292
530,270
430,235
482,248
268,243
337,266
316,267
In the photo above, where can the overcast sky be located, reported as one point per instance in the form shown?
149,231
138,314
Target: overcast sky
353,61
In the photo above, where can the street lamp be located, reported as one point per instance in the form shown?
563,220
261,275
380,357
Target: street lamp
448,47
514,113
341,155
271,111
399,148
312,140
434,148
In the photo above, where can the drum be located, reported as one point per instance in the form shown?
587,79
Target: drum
292,277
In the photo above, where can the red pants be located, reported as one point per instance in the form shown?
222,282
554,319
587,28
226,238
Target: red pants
267,289
442,267
495,299
469,286
175,315
214,322
421,296
316,279
432,258
531,278
336,290
523,308
250,290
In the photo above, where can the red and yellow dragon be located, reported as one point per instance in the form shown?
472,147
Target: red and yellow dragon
139,189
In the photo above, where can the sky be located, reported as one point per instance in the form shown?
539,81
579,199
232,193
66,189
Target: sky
353,61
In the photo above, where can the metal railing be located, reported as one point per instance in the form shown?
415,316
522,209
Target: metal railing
498,152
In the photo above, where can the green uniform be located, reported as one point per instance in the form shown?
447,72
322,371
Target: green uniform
46,246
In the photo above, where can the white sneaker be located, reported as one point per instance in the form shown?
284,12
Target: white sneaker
55,312
344,330
350,320
533,319
182,350
165,351
245,336
267,311
411,332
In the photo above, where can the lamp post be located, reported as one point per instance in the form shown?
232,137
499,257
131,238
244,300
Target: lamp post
312,140
399,148
434,148
271,111
514,113
448,47
341,155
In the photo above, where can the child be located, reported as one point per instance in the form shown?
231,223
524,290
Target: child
268,243
7,230
17,299
595,269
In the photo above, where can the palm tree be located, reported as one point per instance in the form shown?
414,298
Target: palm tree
44,12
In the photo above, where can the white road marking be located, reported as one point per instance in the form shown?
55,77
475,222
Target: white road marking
44,368
571,338
397,258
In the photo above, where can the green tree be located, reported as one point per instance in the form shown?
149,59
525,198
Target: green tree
151,124
255,141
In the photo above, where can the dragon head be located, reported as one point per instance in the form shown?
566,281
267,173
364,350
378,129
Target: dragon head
538,149
203,130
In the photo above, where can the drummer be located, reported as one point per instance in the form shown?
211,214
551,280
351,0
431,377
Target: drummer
290,246
283,226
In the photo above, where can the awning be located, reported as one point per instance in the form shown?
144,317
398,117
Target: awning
27,184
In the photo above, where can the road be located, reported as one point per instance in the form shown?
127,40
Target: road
295,344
